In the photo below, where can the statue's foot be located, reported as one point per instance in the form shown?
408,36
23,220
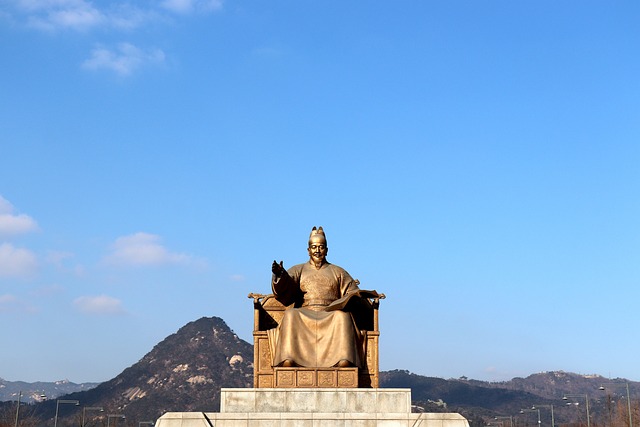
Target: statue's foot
288,363
344,363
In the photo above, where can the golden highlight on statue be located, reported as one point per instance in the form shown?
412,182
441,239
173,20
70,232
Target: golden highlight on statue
318,328
311,335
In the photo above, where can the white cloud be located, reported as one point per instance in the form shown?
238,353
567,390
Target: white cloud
57,258
7,303
63,261
141,249
12,224
86,16
100,304
11,304
61,14
190,6
237,278
47,291
83,15
5,206
7,299
123,60
16,262
268,52
128,17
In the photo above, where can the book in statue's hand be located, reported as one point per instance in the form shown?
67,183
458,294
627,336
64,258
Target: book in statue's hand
341,303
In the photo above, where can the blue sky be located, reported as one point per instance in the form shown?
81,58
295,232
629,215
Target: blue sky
477,161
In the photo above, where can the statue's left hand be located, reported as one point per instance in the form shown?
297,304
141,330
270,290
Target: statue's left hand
277,269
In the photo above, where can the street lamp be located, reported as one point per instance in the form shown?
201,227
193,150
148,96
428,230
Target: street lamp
546,406
522,411
89,408
510,418
148,423
19,402
58,402
109,416
586,399
18,408
602,388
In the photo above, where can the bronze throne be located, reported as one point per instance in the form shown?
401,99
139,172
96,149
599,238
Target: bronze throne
268,313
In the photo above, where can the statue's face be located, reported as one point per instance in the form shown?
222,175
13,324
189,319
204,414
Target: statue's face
318,250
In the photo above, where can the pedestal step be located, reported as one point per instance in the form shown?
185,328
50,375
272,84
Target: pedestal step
302,419
312,407
325,400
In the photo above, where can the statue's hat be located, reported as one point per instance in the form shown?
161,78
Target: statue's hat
317,234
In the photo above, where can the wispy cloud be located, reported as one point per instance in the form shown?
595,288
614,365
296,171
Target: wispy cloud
191,6
268,52
123,60
7,299
11,223
16,262
143,249
99,305
12,304
47,291
58,258
7,303
63,261
60,14
83,15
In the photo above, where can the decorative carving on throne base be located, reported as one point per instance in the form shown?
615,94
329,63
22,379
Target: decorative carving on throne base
316,377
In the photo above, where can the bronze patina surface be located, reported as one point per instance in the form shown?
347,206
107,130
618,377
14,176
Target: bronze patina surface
317,318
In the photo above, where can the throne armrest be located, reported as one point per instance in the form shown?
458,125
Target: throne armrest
267,311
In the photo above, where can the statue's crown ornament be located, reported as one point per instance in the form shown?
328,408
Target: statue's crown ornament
317,233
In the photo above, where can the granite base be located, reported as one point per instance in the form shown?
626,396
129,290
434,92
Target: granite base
262,407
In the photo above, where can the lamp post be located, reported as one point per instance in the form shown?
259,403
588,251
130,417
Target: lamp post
18,408
546,406
602,388
510,418
522,411
586,400
90,408
58,402
109,416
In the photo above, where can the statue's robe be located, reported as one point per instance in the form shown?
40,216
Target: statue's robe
308,334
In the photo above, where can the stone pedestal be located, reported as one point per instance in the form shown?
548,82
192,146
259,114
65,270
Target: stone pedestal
313,407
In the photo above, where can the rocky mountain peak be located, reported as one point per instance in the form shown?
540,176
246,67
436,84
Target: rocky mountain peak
184,372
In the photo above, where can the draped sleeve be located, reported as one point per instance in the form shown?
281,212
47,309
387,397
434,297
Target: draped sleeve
286,289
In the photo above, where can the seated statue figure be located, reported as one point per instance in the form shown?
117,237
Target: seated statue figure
315,331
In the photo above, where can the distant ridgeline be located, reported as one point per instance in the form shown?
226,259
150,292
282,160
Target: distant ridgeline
39,391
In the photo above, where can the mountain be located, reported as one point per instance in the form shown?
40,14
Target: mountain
186,370
481,402
38,391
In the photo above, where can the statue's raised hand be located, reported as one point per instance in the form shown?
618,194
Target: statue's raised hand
277,269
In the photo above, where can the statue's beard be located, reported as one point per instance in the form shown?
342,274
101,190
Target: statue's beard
317,261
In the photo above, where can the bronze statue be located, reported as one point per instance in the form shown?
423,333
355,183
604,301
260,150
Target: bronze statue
315,331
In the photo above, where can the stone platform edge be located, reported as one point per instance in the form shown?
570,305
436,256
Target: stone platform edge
318,419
